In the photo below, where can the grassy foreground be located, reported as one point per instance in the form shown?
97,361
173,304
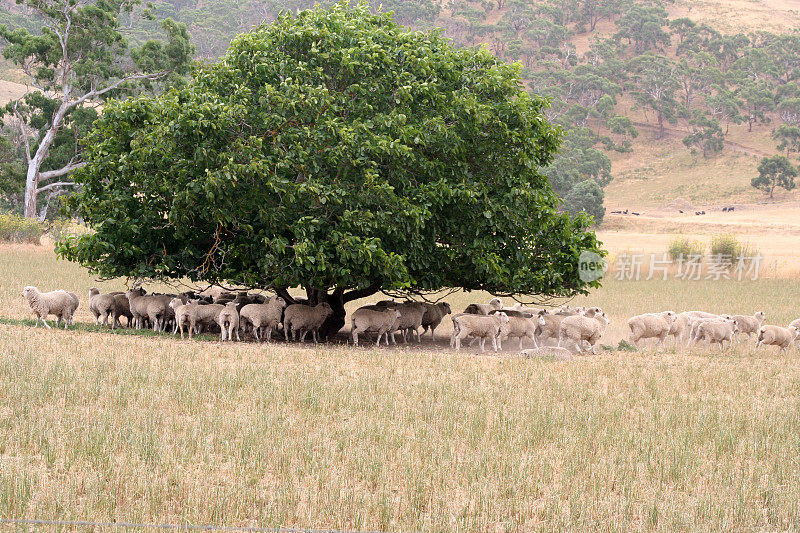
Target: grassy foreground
142,428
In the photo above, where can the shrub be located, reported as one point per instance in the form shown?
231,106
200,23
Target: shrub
16,228
625,346
726,249
682,247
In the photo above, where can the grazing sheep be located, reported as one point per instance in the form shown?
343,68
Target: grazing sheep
716,330
366,320
228,320
480,326
750,324
777,336
60,303
434,313
263,317
559,354
484,309
651,325
579,328
304,318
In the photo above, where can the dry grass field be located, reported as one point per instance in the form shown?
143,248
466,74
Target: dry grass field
103,427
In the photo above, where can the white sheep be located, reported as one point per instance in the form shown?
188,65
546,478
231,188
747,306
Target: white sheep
102,305
579,328
304,318
60,303
201,316
651,325
777,336
365,320
228,321
750,324
521,326
182,313
264,317
480,326
716,330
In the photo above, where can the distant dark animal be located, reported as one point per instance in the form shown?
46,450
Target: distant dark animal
730,209
635,213
724,209
680,210
625,212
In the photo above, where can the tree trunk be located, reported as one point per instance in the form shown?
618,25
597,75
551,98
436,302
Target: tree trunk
32,176
335,322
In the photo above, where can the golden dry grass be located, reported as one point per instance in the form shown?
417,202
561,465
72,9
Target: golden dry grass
95,426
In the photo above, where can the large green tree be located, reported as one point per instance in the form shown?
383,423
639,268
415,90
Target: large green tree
336,151
776,171
79,58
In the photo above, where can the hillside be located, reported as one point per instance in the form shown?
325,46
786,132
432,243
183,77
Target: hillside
599,62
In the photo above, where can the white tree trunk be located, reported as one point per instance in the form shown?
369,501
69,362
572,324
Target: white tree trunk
35,163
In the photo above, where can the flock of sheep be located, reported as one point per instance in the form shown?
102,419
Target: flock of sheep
560,332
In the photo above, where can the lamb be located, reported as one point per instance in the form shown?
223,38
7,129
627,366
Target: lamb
383,321
750,324
263,317
559,354
434,313
579,328
484,309
228,320
60,303
480,326
651,325
716,330
777,336
304,318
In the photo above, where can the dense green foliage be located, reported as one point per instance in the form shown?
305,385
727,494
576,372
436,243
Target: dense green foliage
339,152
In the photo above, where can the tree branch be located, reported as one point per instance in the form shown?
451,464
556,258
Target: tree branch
22,131
361,293
55,185
99,92
69,167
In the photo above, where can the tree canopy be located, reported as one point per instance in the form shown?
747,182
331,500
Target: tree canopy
337,151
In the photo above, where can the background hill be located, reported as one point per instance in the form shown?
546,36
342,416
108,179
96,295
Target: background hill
661,101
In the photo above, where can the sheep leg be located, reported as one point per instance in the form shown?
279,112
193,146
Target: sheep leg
286,327
496,342
44,321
